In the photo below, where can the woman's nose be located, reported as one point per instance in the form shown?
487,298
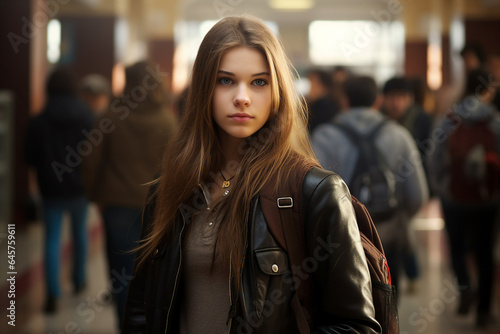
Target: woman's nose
242,97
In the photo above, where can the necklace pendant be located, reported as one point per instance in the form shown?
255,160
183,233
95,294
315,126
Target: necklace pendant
225,184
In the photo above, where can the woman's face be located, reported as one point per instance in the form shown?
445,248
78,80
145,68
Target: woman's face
242,98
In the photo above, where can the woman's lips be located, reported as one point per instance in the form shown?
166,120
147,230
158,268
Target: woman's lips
240,117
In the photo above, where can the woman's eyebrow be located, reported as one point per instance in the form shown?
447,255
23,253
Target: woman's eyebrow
226,72
232,74
259,74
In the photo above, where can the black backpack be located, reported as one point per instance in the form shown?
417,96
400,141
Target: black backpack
372,182
286,226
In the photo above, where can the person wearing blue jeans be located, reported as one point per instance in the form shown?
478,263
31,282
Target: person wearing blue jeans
123,228
53,210
50,137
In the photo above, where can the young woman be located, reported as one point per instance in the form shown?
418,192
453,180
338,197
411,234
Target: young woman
209,262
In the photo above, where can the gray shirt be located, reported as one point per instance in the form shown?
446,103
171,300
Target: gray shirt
205,303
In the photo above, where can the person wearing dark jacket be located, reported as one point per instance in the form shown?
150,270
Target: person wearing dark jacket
209,261
321,103
118,170
464,169
55,145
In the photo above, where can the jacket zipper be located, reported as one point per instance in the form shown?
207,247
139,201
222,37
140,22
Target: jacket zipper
242,265
177,275
180,263
253,266
230,296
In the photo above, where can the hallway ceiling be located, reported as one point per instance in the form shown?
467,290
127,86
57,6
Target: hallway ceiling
198,10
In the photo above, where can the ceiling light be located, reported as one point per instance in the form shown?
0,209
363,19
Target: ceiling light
291,5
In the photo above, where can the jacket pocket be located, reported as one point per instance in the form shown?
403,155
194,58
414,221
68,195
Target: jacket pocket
272,261
272,264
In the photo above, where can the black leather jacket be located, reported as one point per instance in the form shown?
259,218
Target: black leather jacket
336,262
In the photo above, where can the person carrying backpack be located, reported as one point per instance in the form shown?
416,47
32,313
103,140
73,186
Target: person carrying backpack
465,172
379,161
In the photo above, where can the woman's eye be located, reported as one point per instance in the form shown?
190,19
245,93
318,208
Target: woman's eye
225,81
260,82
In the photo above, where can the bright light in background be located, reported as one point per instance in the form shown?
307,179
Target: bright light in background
303,86
118,79
121,39
434,55
180,73
205,26
370,47
54,41
457,34
457,42
434,73
291,5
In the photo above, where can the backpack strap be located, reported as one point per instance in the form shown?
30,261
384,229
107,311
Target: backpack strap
293,233
282,212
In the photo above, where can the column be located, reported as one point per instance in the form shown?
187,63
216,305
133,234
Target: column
23,51
159,19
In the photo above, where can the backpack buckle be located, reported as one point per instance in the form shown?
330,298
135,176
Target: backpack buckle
284,202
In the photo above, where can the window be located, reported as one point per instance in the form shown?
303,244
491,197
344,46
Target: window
370,47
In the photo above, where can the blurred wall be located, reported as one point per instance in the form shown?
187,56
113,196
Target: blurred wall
22,48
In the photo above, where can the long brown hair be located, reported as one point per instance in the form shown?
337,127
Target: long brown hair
194,154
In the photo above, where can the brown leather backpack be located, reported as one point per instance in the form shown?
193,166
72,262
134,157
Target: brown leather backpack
286,225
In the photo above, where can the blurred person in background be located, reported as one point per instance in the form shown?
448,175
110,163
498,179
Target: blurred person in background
473,56
54,145
400,105
494,68
336,151
130,138
419,91
465,172
322,106
340,74
96,92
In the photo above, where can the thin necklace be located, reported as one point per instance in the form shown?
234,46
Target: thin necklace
226,183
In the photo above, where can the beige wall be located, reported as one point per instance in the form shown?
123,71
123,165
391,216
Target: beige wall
296,41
